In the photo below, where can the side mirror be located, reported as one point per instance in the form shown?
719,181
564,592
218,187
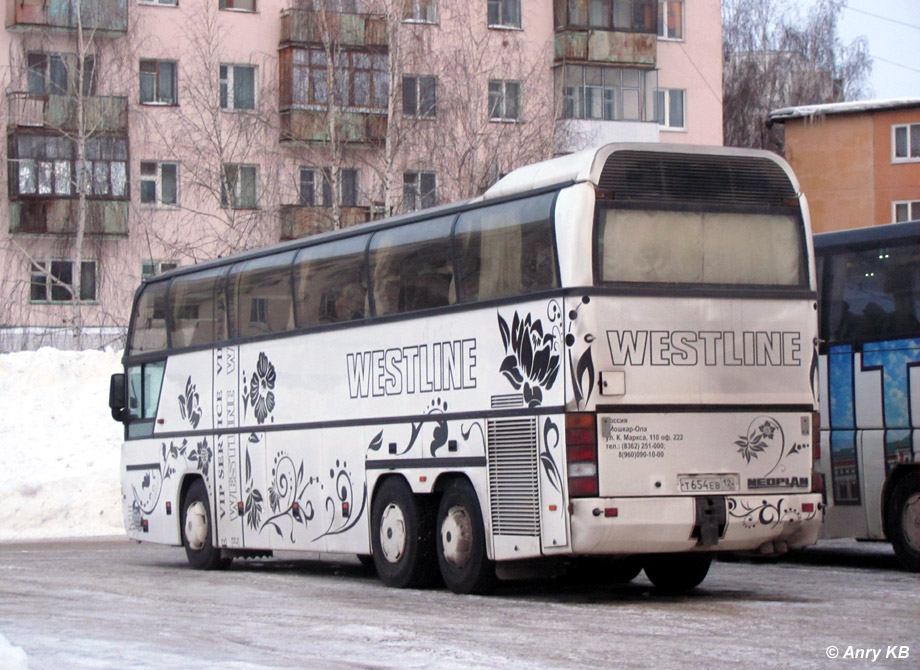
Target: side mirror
117,392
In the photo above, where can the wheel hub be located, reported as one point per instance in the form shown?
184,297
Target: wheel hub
910,521
393,533
457,537
196,525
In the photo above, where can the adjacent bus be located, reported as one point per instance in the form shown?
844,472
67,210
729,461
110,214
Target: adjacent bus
869,282
609,359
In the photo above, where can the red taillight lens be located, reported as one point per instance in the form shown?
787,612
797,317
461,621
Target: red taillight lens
581,454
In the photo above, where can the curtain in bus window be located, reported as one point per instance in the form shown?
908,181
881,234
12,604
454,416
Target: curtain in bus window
197,315
148,331
329,282
506,249
410,267
259,296
701,248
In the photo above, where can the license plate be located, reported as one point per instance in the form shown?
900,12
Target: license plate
709,483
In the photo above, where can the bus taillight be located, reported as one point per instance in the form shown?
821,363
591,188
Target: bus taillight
581,454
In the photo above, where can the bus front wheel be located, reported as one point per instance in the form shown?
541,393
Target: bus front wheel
465,567
677,573
904,521
197,536
402,533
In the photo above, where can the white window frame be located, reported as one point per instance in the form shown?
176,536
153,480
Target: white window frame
503,22
664,123
157,179
231,200
909,129
417,197
43,270
159,3
322,187
228,81
910,205
663,24
417,79
420,11
159,99
158,267
223,6
503,117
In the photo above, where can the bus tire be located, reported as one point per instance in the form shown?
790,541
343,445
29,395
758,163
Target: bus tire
677,573
402,533
197,535
465,567
904,521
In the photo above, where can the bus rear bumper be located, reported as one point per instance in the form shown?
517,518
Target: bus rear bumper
766,523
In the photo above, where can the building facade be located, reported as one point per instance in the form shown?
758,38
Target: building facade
858,162
146,134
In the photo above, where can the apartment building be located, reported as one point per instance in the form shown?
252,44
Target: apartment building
858,162
146,134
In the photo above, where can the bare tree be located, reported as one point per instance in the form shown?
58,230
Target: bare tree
773,57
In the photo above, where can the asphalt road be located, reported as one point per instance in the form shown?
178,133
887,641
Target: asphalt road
115,604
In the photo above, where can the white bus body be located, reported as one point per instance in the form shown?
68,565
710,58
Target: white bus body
637,399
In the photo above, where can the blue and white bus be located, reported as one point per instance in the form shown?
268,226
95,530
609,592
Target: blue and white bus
869,282
608,359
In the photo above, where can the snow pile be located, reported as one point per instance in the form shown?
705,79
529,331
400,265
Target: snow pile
12,657
59,447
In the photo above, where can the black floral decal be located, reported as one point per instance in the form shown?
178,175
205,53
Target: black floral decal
261,388
766,513
582,372
532,361
340,510
758,438
287,496
188,404
547,460
253,506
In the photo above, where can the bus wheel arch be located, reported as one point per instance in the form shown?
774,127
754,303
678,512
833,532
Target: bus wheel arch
196,527
461,542
901,511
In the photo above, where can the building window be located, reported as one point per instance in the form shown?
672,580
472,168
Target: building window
504,100
316,187
419,190
504,13
905,210
623,15
420,96
607,93
158,82
421,11
159,184
46,165
239,186
905,143
151,268
671,19
163,3
52,281
361,79
237,87
669,107
60,74
239,5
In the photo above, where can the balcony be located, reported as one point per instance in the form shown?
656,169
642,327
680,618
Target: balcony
300,220
99,16
101,114
306,26
58,216
606,47
311,125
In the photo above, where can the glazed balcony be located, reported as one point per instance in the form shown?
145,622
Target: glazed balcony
302,220
309,26
101,113
311,125
58,216
606,47
98,16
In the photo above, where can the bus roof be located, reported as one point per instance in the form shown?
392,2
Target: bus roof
859,236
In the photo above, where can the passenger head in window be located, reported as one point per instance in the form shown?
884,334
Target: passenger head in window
349,304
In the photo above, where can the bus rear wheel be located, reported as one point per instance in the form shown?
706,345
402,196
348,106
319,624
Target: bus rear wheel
677,573
904,521
197,535
465,567
402,534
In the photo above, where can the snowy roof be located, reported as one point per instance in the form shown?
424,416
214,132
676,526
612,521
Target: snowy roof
858,106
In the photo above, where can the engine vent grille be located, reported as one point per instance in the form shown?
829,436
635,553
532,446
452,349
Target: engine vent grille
688,178
513,477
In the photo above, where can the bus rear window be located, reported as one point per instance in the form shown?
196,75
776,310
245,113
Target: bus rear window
148,330
700,248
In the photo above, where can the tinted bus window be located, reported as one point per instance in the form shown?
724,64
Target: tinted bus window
259,296
198,309
410,267
506,249
330,282
148,330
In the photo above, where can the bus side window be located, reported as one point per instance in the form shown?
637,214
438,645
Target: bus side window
411,268
260,296
329,282
148,331
197,313
506,249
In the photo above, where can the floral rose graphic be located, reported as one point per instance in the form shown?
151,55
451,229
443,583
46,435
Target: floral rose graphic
532,362
261,395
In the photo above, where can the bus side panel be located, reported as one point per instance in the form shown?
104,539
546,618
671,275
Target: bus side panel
148,483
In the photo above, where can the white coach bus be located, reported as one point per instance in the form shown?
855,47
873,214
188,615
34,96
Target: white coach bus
610,357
